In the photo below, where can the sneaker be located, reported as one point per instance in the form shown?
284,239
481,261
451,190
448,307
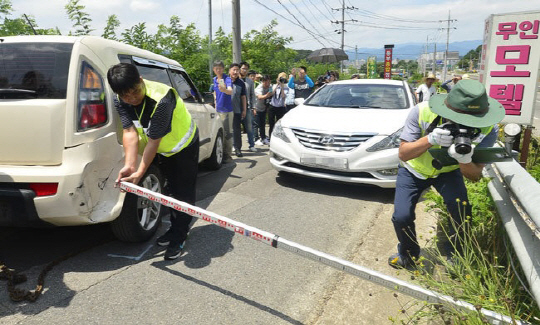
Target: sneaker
238,153
266,141
227,160
174,251
253,149
399,261
165,239
259,142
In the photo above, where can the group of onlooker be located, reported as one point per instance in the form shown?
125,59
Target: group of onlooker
427,89
245,98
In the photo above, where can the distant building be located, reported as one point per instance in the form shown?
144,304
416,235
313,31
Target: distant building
426,59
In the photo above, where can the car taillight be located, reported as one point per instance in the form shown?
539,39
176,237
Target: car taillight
91,102
44,189
92,115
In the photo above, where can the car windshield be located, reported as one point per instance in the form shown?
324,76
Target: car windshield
356,95
34,70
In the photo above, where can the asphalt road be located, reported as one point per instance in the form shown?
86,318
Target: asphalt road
221,278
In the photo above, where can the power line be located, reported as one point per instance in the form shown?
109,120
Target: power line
361,23
287,19
315,28
313,15
371,14
299,23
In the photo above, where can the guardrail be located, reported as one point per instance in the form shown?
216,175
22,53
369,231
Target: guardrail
516,194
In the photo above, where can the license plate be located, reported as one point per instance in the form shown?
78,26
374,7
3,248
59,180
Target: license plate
329,162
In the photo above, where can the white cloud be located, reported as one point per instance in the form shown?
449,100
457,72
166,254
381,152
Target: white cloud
144,5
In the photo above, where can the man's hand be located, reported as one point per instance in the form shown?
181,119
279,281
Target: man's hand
125,172
461,158
133,178
243,114
440,137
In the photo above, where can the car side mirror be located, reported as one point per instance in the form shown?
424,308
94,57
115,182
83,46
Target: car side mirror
299,101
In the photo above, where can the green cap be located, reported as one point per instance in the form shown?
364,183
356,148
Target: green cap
468,104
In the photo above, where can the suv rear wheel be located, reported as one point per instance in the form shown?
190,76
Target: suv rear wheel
216,159
140,217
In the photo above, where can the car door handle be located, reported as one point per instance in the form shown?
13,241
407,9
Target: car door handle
212,115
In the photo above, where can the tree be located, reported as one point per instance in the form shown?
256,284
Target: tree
266,50
137,36
19,26
81,20
110,30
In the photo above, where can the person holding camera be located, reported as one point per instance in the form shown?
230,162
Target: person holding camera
277,103
433,124
300,82
264,93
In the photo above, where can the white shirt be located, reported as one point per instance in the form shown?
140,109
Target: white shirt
426,92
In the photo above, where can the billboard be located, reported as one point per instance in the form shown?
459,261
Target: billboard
510,62
372,67
388,61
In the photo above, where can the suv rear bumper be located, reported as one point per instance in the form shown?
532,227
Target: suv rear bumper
17,208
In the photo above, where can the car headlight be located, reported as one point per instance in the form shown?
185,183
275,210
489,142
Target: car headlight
390,142
279,133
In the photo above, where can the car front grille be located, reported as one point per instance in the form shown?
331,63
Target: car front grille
320,140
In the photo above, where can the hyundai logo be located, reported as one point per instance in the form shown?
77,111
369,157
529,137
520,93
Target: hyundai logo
326,139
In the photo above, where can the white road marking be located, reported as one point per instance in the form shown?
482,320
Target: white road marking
135,258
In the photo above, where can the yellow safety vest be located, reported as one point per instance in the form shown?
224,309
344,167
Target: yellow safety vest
183,127
423,163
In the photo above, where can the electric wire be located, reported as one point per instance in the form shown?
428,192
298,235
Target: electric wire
313,15
292,22
308,20
300,24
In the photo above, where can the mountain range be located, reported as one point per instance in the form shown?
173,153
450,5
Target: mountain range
411,51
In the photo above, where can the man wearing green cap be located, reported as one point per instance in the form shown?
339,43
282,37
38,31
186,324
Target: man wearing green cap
467,105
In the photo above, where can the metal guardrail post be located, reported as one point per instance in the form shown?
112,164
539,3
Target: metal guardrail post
510,181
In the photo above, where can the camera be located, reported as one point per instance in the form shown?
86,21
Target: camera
282,80
463,136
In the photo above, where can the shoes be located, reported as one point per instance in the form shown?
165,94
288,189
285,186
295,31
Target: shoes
266,141
253,149
165,239
227,160
399,261
259,142
238,153
174,250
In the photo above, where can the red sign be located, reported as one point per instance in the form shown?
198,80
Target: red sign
388,61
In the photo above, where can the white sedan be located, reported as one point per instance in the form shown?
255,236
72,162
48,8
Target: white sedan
347,131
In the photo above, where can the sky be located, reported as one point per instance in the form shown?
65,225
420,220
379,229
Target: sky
376,22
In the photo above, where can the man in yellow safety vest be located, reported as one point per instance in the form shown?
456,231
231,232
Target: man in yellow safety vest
466,113
157,125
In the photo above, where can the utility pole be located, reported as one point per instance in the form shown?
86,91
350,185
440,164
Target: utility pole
445,68
210,60
424,59
236,37
342,22
434,66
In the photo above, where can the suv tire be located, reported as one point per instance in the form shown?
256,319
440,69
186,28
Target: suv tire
140,218
216,159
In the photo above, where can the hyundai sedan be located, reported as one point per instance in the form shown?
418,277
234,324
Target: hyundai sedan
346,131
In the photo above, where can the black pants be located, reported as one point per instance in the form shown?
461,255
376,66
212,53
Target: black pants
237,131
274,114
260,119
180,170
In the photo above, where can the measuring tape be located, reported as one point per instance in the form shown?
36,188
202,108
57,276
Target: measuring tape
307,252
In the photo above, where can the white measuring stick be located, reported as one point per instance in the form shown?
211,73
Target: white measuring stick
338,263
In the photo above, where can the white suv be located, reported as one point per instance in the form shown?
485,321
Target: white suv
60,140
